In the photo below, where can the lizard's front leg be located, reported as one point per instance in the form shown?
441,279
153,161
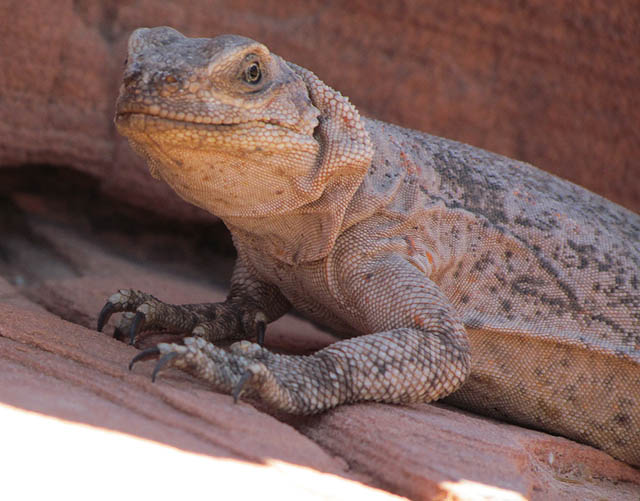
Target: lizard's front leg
249,307
418,350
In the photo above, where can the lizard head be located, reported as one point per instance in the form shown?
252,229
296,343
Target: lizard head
234,128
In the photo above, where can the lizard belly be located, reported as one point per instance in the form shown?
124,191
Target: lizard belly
569,389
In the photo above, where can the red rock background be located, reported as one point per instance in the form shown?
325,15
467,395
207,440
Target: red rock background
552,83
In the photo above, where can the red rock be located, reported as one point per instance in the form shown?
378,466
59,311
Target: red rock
555,86
91,420
65,370
432,451
552,85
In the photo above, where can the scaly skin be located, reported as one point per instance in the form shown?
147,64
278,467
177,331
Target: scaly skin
440,264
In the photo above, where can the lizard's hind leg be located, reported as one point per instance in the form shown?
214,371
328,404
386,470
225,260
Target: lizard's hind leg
403,365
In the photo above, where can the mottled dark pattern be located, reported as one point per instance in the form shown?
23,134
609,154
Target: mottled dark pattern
544,275
542,246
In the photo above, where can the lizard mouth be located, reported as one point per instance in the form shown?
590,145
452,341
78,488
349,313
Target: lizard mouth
135,115
172,129
179,119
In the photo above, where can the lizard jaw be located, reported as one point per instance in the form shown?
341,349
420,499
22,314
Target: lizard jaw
125,109
256,135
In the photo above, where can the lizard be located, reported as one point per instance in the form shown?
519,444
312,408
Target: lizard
448,272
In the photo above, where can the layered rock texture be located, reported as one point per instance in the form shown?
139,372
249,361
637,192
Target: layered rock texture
80,217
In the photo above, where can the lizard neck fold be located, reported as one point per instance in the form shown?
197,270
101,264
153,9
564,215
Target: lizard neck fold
308,232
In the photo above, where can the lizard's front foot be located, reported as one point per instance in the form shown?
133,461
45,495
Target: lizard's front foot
212,321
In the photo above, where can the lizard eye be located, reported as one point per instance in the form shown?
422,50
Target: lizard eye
253,73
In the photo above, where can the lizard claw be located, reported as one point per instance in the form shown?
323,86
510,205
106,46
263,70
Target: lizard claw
162,362
105,314
136,325
237,389
261,328
145,354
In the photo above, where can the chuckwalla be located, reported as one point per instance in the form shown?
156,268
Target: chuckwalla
448,270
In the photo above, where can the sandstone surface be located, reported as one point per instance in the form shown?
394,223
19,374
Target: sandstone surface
80,217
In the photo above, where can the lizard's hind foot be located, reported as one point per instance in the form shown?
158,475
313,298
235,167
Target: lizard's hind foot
231,372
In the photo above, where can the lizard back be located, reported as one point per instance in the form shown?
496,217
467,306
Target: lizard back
544,274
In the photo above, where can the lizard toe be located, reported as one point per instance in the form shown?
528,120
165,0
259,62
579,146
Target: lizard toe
121,332
249,377
255,321
167,355
164,361
206,330
231,373
125,300
136,326
246,348
105,314
148,354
